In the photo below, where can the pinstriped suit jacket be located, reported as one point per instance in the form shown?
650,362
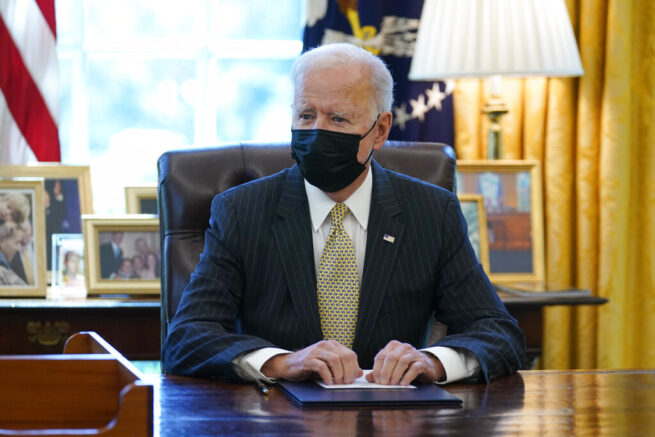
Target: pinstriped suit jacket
255,284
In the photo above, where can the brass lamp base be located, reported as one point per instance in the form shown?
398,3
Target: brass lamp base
495,108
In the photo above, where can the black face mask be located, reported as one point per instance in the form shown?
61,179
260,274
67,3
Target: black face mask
328,159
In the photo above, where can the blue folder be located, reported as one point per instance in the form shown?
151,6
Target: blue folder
309,394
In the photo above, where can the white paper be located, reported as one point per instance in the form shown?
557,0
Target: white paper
361,382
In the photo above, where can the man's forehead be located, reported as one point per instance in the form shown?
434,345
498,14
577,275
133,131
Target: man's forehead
345,99
337,108
338,79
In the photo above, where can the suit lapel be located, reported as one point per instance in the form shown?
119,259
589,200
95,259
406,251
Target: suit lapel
292,232
384,239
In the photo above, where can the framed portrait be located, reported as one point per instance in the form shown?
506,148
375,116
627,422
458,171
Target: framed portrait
476,219
68,262
22,241
67,196
122,254
141,199
512,195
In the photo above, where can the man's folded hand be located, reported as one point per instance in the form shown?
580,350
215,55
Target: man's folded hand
328,360
400,363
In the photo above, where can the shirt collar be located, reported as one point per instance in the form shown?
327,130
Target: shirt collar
359,202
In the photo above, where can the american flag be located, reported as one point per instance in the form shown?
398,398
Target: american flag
29,81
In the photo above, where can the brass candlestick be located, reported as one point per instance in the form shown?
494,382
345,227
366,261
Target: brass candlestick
495,108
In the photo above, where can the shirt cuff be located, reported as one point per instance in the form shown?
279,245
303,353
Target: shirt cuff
249,365
458,364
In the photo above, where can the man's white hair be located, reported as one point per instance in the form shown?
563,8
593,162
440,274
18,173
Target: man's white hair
341,54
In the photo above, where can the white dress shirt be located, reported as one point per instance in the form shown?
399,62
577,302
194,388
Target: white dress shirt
458,364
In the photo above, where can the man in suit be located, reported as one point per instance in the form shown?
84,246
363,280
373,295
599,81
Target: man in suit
256,306
111,255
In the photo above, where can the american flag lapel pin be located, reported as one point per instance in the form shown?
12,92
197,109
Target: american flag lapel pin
389,238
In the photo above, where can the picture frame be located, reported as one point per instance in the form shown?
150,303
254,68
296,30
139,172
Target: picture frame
473,209
22,260
141,199
68,265
512,192
66,204
108,269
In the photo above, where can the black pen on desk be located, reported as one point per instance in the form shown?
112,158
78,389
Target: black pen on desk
263,388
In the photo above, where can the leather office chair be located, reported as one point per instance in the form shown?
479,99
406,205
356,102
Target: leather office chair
189,180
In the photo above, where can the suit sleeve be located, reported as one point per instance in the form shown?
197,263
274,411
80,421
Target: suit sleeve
468,304
203,337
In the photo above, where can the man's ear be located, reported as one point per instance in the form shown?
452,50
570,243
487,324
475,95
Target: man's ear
382,129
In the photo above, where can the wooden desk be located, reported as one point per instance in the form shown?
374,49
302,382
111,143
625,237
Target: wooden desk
41,326
528,403
38,326
528,311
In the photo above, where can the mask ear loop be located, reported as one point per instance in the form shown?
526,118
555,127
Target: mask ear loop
368,132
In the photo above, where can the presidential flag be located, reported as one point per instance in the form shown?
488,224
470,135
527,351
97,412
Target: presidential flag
422,111
29,82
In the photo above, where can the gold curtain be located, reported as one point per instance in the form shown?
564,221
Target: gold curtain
595,139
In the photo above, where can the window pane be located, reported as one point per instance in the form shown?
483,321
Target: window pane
143,21
253,100
142,77
137,109
68,16
255,19
66,106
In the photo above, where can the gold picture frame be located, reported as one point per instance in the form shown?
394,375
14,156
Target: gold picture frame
512,192
23,268
108,270
65,209
139,199
473,209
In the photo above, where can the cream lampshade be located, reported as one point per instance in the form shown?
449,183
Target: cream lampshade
491,39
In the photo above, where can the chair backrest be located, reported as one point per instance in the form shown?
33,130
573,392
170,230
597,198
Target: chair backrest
189,180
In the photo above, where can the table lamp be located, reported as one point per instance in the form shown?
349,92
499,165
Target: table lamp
491,39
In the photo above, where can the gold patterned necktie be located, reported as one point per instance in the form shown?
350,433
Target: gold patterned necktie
338,282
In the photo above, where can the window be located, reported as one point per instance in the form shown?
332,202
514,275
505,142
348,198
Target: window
142,77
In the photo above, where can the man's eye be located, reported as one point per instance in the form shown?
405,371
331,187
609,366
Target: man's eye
339,119
305,117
